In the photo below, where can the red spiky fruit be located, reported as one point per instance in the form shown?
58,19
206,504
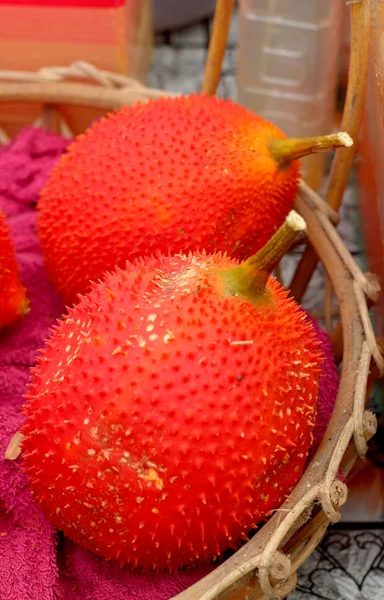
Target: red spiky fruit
13,300
175,174
173,408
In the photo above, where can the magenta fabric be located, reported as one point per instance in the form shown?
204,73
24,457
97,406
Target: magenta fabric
37,563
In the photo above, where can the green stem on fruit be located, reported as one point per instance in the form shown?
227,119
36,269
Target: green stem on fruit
287,150
267,259
249,279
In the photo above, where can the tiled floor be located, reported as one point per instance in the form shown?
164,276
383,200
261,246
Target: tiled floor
349,564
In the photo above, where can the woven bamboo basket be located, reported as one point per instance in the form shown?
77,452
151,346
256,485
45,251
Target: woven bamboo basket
66,100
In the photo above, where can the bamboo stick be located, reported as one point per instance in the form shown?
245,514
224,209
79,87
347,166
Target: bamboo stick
217,46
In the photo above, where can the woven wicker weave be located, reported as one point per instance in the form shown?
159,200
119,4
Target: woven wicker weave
265,567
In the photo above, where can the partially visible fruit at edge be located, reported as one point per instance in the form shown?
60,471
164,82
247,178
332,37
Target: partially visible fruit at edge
173,175
13,301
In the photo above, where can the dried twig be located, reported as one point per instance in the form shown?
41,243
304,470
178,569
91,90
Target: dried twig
352,115
217,46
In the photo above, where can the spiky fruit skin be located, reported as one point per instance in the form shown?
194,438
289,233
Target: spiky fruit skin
172,175
13,301
152,435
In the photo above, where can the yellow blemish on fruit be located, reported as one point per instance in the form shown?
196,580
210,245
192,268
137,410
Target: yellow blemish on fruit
168,336
93,432
152,475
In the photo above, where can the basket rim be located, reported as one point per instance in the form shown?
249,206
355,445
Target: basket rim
79,84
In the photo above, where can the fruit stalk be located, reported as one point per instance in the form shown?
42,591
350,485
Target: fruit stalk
267,259
250,277
287,150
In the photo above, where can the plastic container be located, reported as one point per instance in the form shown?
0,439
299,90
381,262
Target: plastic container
288,65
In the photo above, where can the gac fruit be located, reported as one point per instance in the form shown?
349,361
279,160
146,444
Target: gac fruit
173,408
13,300
173,175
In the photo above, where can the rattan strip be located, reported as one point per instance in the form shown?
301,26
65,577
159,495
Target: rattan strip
81,70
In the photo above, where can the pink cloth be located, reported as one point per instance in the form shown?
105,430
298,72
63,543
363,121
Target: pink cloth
37,563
